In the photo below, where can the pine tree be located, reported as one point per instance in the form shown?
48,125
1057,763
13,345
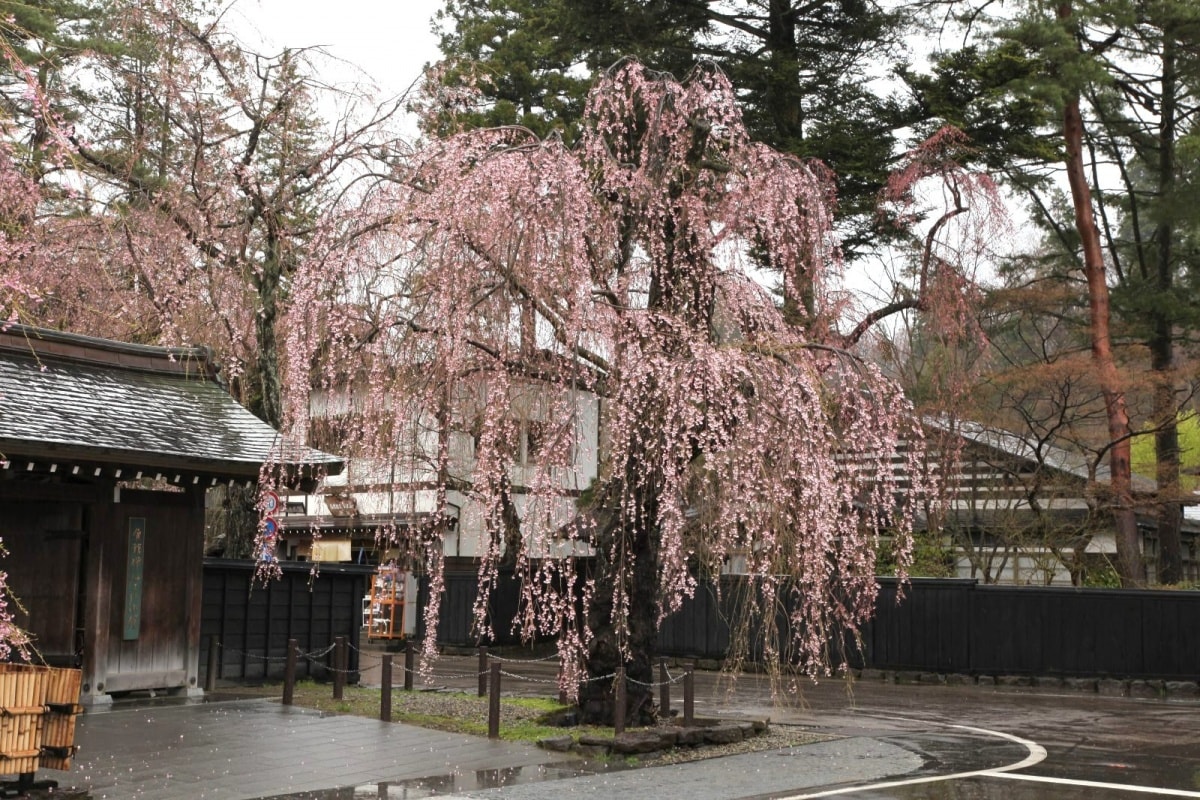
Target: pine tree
803,72
1114,84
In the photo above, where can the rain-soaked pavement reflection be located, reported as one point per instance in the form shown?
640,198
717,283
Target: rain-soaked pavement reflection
441,785
256,750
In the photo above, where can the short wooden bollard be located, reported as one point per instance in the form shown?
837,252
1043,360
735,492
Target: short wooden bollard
494,702
409,661
214,660
483,671
689,694
619,702
562,684
289,673
339,667
664,690
385,693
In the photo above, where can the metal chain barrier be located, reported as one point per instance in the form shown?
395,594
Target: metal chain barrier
310,655
527,679
313,657
494,672
551,657
657,684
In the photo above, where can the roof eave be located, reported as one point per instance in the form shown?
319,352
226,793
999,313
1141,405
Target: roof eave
301,472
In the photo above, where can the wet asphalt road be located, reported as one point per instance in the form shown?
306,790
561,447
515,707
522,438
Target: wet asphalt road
1088,741
1070,744
888,741
1062,744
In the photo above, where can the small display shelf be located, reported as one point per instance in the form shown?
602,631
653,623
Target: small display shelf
384,615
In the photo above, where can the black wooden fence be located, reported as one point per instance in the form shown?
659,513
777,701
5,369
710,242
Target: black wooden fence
965,627
254,621
942,626
457,618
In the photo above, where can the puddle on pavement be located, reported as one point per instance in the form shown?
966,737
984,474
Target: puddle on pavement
465,781
54,793
411,789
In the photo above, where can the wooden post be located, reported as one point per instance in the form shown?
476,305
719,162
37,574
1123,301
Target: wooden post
483,671
214,659
689,694
562,685
494,703
664,691
409,661
289,673
619,702
339,662
385,693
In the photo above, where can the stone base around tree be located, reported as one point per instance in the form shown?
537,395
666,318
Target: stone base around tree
645,741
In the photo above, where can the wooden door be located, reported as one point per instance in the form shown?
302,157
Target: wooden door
45,541
156,565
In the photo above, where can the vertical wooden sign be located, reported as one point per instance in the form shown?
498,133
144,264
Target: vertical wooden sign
135,562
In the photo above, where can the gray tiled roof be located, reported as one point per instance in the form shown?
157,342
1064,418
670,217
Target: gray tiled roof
1068,462
90,399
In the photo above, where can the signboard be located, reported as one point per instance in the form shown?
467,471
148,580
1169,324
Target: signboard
330,550
270,503
270,531
135,563
341,506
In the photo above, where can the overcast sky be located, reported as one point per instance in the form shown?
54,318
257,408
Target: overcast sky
390,40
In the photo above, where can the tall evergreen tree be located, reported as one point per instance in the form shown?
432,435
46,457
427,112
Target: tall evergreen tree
1146,119
803,71
1101,97
43,39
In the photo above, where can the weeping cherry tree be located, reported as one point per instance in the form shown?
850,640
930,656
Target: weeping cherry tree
629,272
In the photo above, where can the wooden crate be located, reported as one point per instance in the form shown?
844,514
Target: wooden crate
62,711
22,714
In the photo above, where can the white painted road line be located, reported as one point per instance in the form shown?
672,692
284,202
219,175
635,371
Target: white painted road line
1124,787
1037,754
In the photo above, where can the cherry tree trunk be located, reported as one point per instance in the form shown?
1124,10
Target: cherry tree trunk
597,696
1130,568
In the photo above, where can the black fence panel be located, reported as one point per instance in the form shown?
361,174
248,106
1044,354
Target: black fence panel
943,626
964,627
1163,622
921,626
456,623
255,621
701,627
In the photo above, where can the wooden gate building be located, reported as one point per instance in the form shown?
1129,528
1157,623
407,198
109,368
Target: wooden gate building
106,452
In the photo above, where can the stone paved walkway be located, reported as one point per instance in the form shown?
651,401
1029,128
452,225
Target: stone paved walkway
258,748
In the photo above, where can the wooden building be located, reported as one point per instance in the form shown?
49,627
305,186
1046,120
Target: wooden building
1026,511
106,452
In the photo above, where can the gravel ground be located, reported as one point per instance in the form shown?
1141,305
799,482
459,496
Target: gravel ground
440,703
777,737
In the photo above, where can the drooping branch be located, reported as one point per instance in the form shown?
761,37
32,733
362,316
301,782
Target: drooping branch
207,247
879,315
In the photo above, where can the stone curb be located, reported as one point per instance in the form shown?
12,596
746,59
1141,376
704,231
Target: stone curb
1106,687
